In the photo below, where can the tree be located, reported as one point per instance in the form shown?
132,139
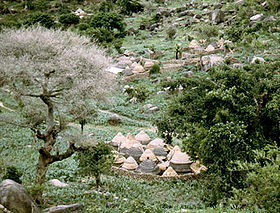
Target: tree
49,72
224,115
96,161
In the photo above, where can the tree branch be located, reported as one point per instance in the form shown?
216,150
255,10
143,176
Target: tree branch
70,151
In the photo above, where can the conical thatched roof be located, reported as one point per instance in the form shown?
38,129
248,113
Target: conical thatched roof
143,138
118,139
158,142
172,152
148,155
170,172
180,158
130,164
129,142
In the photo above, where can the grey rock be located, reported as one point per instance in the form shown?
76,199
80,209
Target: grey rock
149,166
152,110
127,72
188,74
114,120
15,198
217,6
217,16
256,18
64,208
184,13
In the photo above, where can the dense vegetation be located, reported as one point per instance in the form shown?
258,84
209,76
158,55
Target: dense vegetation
226,117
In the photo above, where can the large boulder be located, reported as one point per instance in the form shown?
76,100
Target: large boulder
217,16
65,208
15,198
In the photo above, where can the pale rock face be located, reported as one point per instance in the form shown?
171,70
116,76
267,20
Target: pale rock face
194,44
58,183
143,138
148,155
148,64
210,48
15,198
170,172
138,69
257,17
118,139
130,164
211,60
257,60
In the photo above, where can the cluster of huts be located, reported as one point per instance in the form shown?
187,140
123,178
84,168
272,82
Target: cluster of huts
141,154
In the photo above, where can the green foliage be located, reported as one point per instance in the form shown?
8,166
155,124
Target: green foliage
171,33
130,6
106,27
83,26
208,30
225,115
68,19
263,181
11,172
155,69
96,160
37,5
44,19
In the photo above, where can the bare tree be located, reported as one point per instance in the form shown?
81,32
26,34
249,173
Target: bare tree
50,72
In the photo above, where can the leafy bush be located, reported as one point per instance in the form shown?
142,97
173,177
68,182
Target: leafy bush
130,6
155,69
12,173
171,33
68,19
38,5
96,161
43,19
83,26
225,115
263,186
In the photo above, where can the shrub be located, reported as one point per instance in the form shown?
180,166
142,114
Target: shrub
96,161
225,115
12,173
171,33
43,19
130,6
37,5
68,19
155,69
83,26
263,188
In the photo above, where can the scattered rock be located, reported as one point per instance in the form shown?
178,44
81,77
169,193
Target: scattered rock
114,120
212,60
210,48
128,53
188,74
217,16
127,72
256,18
15,198
194,44
138,69
65,208
257,60
148,64
130,164
152,110
57,183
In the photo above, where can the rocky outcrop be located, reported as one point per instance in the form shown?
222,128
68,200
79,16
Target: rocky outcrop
15,198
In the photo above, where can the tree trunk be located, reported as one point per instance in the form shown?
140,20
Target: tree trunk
97,180
42,167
